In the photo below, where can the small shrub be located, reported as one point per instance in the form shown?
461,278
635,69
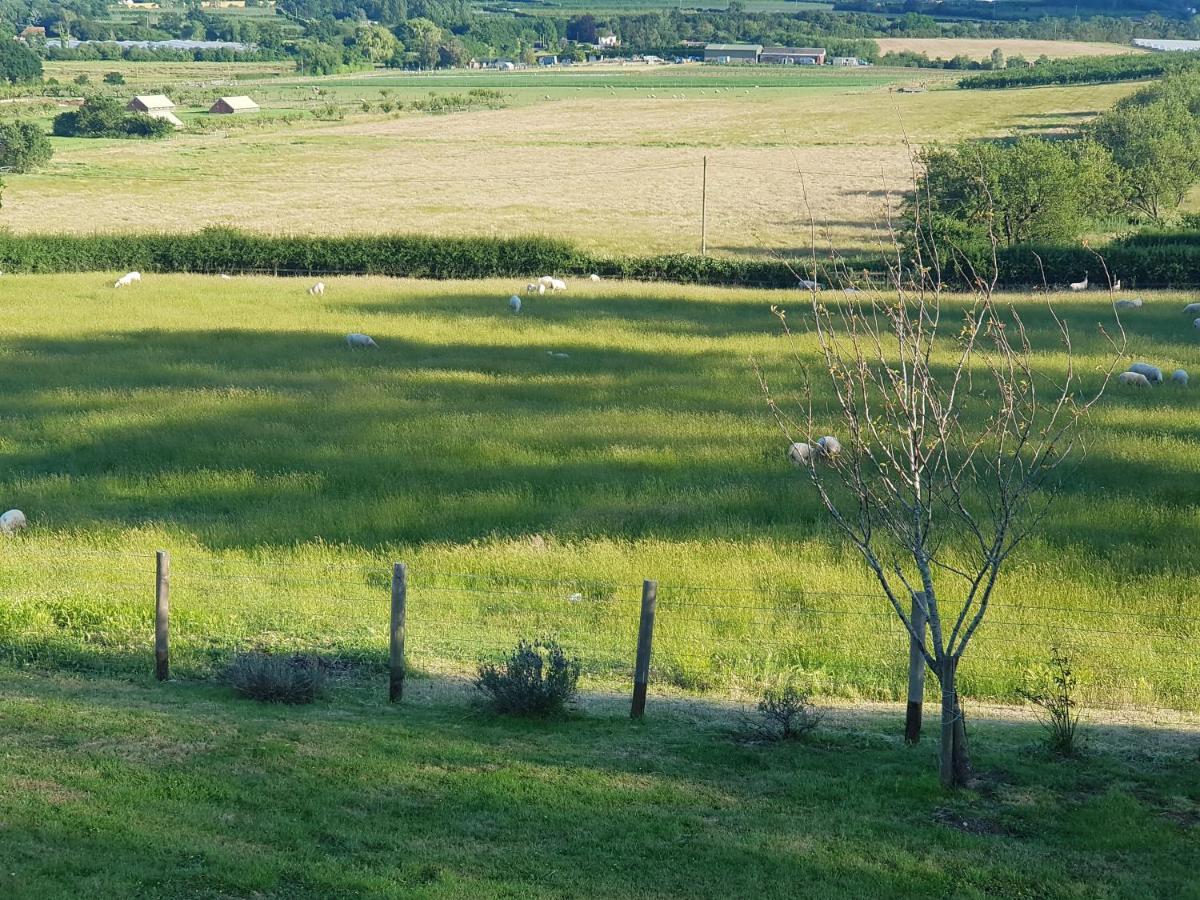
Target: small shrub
1052,689
784,714
537,679
114,78
295,678
82,79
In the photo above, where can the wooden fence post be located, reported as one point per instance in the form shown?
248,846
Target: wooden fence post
641,668
396,656
916,671
162,614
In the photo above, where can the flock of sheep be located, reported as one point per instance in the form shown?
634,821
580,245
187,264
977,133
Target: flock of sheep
1143,374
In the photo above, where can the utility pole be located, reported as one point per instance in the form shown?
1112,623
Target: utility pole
704,210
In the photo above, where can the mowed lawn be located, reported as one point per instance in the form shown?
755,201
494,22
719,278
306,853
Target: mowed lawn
532,469
113,789
609,157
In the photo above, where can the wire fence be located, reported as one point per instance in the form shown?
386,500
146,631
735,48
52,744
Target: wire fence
96,610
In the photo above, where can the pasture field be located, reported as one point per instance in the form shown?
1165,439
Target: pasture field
125,789
608,157
532,470
981,48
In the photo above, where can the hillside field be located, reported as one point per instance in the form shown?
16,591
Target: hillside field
609,156
532,470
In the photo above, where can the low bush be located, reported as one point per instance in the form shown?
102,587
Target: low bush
537,679
784,714
293,679
1052,690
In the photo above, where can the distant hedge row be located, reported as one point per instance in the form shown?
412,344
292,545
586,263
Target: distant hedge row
216,250
1151,259
1085,70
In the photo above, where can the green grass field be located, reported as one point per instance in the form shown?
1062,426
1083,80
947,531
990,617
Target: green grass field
226,421
175,791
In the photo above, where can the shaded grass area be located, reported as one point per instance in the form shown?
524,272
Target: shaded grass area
125,789
226,421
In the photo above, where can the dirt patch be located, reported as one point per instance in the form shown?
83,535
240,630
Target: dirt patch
968,824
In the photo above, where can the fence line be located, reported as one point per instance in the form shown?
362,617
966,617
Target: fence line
99,609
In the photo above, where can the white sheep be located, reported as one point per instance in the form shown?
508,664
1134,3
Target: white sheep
128,279
593,277
1080,285
557,284
1129,303
358,341
801,454
547,280
809,285
1180,377
514,303
12,521
1153,373
317,289
1116,285
829,445
1191,309
1133,379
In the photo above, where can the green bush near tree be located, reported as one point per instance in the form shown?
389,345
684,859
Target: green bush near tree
23,147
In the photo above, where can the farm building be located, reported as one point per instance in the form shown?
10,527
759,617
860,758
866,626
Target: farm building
230,105
727,53
845,61
793,56
167,116
150,103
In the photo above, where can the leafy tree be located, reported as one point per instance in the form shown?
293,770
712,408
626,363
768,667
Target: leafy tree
423,38
1156,147
319,59
114,78
1029,190
376,43
105,117
23,146
998,58
582,29
18,63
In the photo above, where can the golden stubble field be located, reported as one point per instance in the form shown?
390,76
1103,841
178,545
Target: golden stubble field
614,172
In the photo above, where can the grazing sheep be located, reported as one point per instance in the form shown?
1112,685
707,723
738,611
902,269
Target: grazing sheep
317,289
1191,309
531,288
547,280
128,279
808,285
1080,285
1179,377
225,277
593,277
801,454
1130,303
358,341
1116,285
558,284
514,303
1133,379
1153,373
12,521
829,445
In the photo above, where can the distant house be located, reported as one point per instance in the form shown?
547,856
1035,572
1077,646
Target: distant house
167,116
231,105
607,40
794,56
727,53
845,61
150,104
548,60
32,32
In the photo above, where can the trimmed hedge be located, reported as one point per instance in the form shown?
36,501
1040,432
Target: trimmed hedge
1087,70
413,256
1152,259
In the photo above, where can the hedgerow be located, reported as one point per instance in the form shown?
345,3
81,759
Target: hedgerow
1091,70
